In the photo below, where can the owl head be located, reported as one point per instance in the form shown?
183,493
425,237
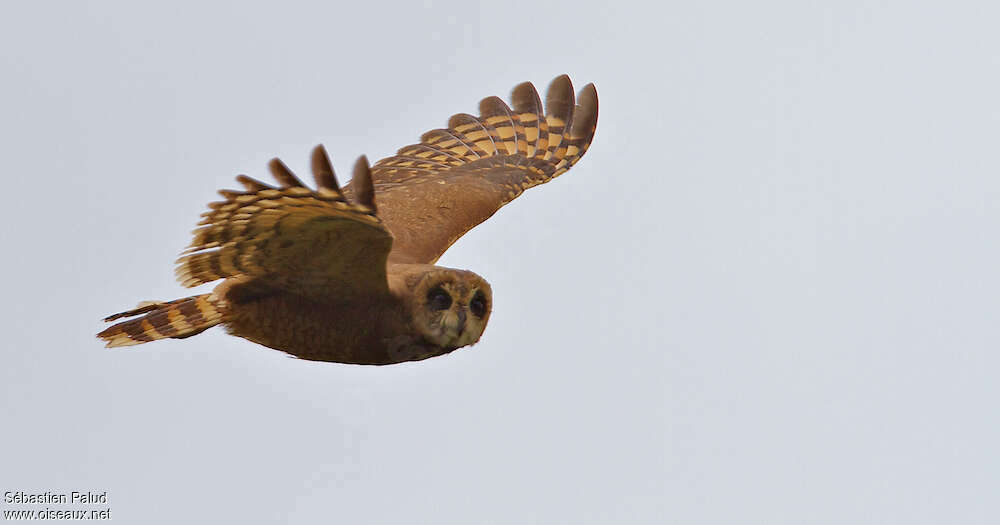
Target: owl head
448,307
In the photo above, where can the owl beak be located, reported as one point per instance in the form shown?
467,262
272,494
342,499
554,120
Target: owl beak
461,320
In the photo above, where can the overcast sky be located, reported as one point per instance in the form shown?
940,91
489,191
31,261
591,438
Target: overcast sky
768,293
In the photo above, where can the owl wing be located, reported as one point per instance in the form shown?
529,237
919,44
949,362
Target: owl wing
433,192
312,243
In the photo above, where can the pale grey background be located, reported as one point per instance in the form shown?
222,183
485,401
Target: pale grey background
768,294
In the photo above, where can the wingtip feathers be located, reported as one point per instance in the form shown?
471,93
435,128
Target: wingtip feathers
585,114
283,175
322,169
365,188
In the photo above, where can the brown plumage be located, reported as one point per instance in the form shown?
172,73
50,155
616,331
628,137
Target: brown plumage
177,319
326,275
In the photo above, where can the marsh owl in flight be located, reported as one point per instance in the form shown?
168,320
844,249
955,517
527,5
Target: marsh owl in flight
326,275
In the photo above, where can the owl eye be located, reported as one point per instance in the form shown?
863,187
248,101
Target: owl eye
478,304
438,299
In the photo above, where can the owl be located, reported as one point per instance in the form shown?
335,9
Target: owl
347,274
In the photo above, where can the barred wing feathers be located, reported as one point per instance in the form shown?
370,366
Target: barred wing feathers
313,243
433,192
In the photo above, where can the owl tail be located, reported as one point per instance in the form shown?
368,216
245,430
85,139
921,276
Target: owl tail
177,319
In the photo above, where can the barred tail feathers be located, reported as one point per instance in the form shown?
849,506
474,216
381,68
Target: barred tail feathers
174,319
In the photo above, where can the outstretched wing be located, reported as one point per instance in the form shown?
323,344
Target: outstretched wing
312,243
433,192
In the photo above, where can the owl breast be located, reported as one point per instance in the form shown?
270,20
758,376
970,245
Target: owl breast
371,332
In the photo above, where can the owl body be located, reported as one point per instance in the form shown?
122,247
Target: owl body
324,274
358,332
371,330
